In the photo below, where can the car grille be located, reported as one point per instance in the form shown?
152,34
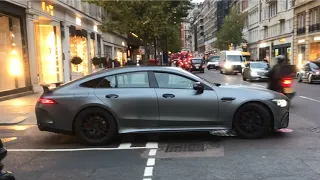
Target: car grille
237,67
262,73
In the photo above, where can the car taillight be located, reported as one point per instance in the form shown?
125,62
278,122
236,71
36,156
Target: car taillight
287,82
46,101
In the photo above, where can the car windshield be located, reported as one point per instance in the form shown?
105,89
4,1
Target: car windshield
196,60
214,59
315,65
259,65
235,58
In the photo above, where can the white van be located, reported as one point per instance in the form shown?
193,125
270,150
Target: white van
231,62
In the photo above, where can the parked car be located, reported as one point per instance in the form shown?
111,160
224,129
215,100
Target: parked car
99,106
255,70
310,72
213,63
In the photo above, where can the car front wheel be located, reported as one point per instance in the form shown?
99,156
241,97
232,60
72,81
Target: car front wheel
310,79
95,126
252,121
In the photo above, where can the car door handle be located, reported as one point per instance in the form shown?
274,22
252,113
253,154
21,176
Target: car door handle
228,99
112,96
168,95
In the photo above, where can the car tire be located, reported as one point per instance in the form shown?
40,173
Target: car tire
310,78
95,114
299,79
221,72
243,78
242,128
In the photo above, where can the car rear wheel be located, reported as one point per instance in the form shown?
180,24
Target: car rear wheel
252,121
95,126
243,78
299,79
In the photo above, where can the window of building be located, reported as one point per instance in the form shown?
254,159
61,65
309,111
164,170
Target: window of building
272,9
172,81
133,80
12,70
282,26
301,17
266,32
284,5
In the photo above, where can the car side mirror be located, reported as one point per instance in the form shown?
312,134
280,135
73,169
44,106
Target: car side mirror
198,87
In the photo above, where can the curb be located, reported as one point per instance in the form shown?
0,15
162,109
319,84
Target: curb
15,121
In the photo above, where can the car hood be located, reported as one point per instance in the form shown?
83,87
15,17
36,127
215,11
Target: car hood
249,92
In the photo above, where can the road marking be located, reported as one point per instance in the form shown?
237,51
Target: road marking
124,145
310,99
152,152
148,171
152,145
74,150
151,162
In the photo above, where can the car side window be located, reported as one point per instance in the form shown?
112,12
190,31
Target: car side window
173,81
92,83
133,80
306,67
108,82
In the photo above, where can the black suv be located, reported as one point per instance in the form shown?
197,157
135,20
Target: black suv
197,65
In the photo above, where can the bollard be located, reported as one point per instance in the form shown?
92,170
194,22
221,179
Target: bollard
4,175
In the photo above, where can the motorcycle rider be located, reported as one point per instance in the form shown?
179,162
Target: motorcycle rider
275,74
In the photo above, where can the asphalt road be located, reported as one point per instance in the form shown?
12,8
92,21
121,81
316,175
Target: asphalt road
172,156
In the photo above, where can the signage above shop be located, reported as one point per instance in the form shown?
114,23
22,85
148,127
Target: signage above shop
46,7
282,40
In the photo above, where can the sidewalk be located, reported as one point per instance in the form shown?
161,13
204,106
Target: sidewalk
19,110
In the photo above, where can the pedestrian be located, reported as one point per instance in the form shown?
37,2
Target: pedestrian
116,63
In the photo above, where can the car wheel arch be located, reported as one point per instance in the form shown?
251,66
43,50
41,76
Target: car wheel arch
256,102
115,117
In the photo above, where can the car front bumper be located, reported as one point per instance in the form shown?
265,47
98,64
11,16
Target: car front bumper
212,66
281,116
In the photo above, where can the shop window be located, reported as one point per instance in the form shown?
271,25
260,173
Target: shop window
314,53
12,69
79,47
48,51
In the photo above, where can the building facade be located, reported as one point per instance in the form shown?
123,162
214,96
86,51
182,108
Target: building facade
44,37
306,31
276,30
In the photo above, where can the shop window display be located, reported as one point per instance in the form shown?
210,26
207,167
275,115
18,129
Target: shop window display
79,47
12,69
314,51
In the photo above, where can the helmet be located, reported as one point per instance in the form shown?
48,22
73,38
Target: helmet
280,59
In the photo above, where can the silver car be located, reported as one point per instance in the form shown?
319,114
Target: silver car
255,71
157,99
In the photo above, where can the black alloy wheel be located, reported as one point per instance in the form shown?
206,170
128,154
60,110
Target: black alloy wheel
252,121
95,126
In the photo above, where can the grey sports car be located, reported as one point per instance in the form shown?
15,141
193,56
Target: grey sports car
157,99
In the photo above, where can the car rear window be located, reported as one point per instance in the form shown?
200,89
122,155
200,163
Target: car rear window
196,60
92,83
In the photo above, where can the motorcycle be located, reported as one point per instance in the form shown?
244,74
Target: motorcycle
287,88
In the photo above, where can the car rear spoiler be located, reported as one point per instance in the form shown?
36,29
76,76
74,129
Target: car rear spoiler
46,88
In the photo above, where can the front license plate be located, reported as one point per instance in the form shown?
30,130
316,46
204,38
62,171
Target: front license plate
287,90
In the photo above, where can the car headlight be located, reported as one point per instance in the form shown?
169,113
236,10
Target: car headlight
317,73
280,102
253,73
227,65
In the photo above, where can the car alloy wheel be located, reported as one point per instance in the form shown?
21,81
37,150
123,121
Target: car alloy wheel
95,126
252,121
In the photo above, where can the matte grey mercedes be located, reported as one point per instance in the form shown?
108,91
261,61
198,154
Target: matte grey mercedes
99,106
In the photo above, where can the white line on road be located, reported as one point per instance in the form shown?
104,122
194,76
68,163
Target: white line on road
148,171
310,99
152,152
73,150
151,162
124,145
152,145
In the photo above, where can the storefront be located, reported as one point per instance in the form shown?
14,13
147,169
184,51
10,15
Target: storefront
48,47
115,47
264,52
282,49
14,69
314,52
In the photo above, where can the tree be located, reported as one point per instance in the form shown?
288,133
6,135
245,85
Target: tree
149,20
231,30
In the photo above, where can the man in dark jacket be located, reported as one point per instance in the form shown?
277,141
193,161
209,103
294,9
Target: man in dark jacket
275,75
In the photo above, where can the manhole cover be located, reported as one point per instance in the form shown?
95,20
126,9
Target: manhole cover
185,147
